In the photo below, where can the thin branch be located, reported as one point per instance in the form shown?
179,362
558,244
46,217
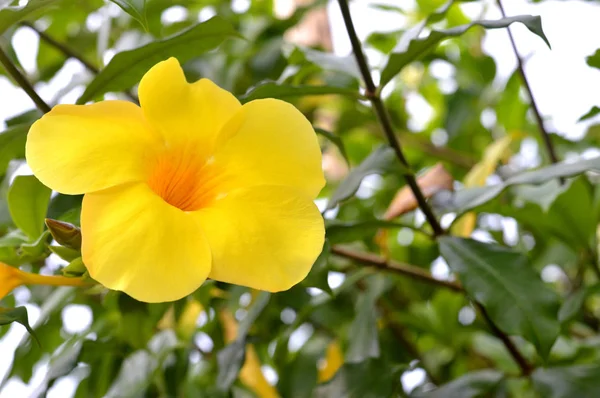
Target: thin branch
384,118
394,266
525,367
70,53
536,111
22,81
61,47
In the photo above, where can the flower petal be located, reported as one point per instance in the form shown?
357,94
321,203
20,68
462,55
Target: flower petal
269,142
135,242
265,237
185,113
75,149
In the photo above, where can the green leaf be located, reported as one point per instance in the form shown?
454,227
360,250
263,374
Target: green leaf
378,162
334,139
28,202
12,145
19,315
475,384
594,59
332,62
135,376
135,8
230,360
369,379
567,381
363,337
342,232
127,68
283,91
468,199
572,305
590,114
504,282
412,47
299,377
10,16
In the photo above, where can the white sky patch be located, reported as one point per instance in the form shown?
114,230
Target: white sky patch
335,279
174,14
411,379
76,318
206,13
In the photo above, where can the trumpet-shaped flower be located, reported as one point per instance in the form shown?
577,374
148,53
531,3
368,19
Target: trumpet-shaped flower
190,185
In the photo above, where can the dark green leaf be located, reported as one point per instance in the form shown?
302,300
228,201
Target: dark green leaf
332,62
363,335
468,199
412,47
134,376
28,202
255,310
369,379
568,381
10,16
317,277
283,91
127,68
135,8
378,162
12,145
475,384
503,281
335,140
342,232
19,315
572,305
590,114
594,59
230,360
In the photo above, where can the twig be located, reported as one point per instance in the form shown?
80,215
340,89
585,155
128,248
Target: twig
22,81
534,107
384,118
394,266
70,53
526,368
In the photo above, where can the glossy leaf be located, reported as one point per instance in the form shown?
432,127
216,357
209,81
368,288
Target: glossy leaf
10,16
503,281
567,381
28,202
12,145
284,91
135,8
368,379
127,68
475,384
19,315
378,162
412,48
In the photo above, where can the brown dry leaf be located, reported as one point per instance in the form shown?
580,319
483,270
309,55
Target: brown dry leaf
436,179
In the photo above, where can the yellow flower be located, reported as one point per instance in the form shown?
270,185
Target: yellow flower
190,185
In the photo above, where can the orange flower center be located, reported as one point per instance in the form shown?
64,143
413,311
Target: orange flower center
185,181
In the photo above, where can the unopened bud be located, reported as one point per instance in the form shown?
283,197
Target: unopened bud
65,233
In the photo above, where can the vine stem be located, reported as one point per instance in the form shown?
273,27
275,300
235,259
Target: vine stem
22,81
534,107
372,93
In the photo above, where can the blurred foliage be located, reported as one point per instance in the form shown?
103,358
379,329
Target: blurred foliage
386,301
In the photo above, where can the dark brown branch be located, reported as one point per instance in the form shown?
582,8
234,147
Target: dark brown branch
22,81
394,266
534,107
384,118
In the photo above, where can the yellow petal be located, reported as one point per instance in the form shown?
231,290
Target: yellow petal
77,149
135,242
264,237
10,278
269,142
184,113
